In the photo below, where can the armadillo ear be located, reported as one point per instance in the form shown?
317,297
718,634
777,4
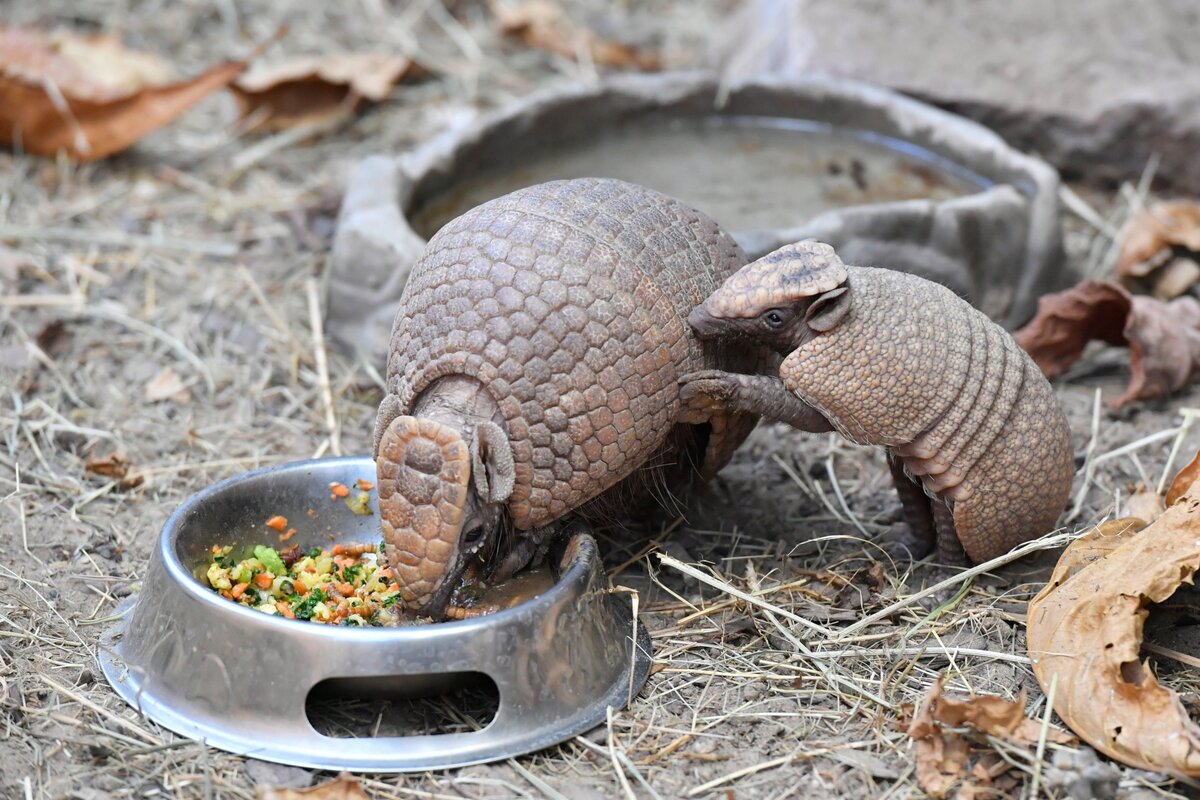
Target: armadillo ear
492,463
828,310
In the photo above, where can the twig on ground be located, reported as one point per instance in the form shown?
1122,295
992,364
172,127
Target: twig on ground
318,335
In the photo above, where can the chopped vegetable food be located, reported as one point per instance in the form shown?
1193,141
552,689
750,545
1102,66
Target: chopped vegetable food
270,559
344,586
277,522
359,504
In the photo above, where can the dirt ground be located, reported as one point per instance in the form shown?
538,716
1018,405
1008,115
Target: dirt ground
132,300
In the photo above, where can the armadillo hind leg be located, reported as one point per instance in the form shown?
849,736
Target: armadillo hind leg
917,512
950,551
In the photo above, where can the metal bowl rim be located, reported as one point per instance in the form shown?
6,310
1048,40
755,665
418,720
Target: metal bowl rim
575,574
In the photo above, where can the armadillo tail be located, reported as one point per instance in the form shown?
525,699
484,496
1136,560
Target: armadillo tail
423,470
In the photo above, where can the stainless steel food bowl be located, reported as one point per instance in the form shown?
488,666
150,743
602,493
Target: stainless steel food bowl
240,680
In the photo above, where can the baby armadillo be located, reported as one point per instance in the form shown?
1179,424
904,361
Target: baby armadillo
891,359
535,364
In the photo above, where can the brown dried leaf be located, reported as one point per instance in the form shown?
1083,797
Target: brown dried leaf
115,465
1163,338
1184,480
1085,628
88,96
343,787
540,24
995,716
1066,321
1152,236
942,756
312,90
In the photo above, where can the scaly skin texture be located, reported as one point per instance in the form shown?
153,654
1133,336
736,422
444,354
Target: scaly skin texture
891,359
561,307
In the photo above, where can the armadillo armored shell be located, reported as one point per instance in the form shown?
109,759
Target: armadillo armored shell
568,302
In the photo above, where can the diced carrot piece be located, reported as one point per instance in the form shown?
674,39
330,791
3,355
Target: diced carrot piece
338,550
277,522
346,588
384,573
364,485
286,608
225,593
337,490
300,588
239,590
393,587
283,537
262,580
216,548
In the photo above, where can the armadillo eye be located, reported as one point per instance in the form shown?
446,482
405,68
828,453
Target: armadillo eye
473,535
773,319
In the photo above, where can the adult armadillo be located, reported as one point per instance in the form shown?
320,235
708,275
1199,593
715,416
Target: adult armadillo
535,364
891,359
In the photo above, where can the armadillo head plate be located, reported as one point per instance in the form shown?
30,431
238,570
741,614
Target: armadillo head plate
778,299
424,469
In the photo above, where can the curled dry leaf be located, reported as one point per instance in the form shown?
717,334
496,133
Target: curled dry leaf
1085,629
116,466
89,96
343,787
540,24
943,755
1184,480
311,90
1161,248
1163,338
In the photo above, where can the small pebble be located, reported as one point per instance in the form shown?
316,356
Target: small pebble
277,776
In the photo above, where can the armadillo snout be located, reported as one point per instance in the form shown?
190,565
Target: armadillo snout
423,470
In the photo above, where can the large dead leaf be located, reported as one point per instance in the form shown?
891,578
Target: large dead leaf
1085,631
311,90
343,787
1160,250
89,96
1163,338
540,24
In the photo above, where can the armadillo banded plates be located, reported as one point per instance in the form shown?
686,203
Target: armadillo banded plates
239,679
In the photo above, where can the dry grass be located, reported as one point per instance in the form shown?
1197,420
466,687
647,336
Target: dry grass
786,644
